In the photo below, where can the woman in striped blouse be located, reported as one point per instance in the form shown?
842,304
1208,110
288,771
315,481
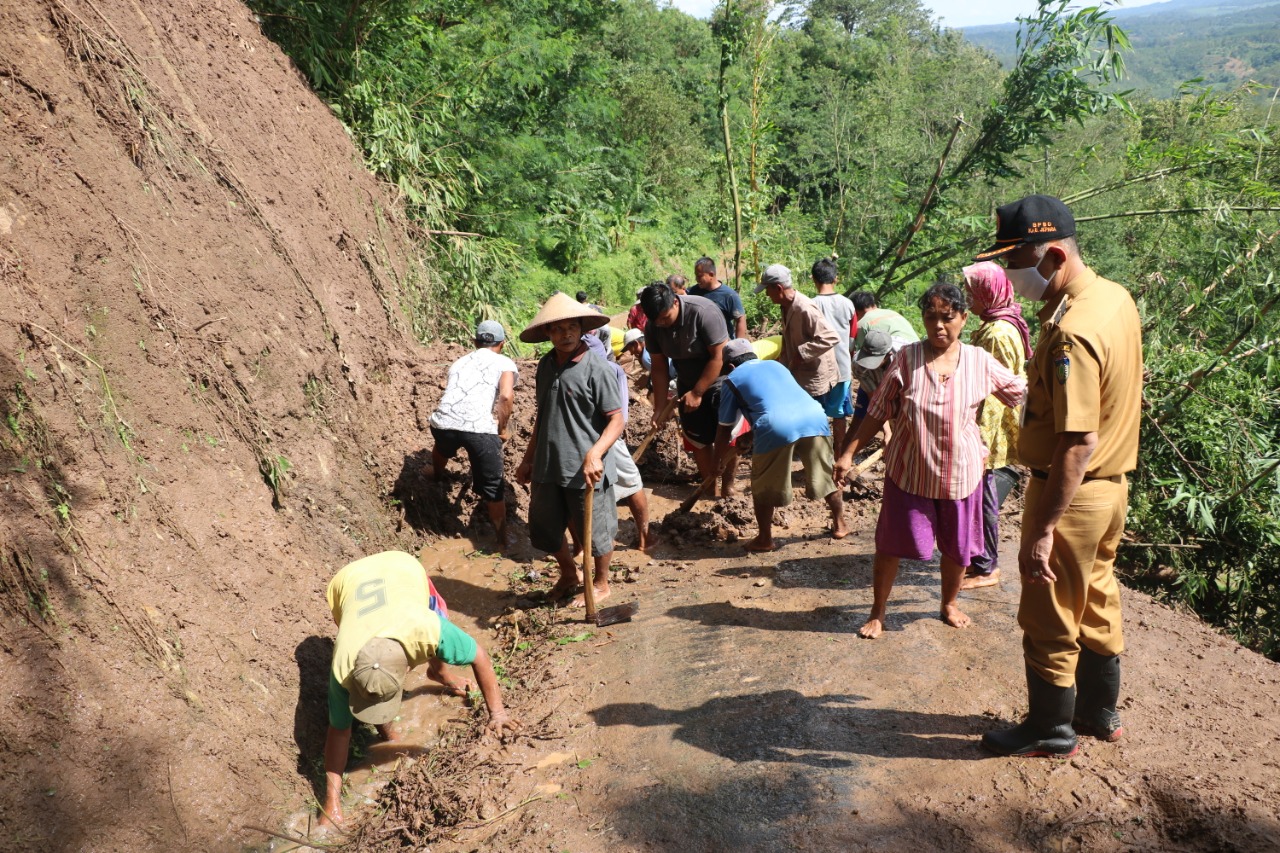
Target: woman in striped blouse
935,462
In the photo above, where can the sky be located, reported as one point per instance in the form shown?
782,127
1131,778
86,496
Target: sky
952,13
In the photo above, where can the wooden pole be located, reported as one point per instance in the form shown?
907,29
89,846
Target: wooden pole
588,569
657,428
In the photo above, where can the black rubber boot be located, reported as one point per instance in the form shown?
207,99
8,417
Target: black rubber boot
1098,686
1047,730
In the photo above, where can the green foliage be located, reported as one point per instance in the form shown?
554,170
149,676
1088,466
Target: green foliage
1065,66
14,411
1219,44
1206,494
611,280
574,638
274,469
542,146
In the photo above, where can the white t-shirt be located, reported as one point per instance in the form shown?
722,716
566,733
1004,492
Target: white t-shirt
467,404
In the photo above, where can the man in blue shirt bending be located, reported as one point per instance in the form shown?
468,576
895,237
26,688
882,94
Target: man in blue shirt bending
786,422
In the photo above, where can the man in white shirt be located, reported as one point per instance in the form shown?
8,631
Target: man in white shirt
473,415
842,317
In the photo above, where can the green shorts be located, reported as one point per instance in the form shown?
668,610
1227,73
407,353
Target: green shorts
771,472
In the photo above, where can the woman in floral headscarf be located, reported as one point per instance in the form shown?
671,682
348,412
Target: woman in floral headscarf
1004,334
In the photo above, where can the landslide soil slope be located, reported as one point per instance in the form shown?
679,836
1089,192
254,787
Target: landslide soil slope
207,389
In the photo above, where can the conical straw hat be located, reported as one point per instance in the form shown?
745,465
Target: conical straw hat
557,308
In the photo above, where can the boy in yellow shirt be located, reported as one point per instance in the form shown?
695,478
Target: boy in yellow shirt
386,626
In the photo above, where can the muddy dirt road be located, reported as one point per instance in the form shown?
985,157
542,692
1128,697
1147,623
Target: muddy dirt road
740,711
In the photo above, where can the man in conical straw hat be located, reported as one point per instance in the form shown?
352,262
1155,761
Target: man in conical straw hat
579,417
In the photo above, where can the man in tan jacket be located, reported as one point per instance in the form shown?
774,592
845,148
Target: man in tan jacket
808,341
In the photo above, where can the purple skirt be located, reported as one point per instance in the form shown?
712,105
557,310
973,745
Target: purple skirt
909,525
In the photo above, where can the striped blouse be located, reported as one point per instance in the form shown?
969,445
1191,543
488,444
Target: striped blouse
936,450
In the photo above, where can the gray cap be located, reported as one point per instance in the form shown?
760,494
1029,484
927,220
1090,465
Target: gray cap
489,333
737,348
774,274
875,346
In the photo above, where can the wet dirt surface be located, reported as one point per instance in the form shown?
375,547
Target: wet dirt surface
473,584
741,711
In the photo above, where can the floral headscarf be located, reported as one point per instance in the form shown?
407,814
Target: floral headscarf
991,296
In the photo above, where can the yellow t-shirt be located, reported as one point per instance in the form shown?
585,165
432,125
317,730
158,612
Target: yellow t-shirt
386,595
998,423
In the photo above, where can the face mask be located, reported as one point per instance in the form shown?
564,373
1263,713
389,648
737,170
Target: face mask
1028,283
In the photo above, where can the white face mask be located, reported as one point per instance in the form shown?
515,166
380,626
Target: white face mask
1028,283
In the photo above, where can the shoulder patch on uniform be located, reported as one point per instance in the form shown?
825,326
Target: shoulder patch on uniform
1062,362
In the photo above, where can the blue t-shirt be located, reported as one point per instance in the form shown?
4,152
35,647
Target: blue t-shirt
727,300
778,409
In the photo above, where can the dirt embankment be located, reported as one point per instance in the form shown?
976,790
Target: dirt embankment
206,387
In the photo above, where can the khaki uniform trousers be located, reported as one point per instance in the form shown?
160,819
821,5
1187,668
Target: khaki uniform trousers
1082,607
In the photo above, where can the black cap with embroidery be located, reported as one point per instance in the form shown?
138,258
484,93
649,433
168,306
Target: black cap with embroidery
1034,219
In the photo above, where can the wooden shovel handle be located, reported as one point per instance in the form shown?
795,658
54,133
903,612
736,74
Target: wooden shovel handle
857,470
708,485
657,428
588,570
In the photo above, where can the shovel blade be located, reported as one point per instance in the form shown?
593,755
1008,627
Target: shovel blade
616,615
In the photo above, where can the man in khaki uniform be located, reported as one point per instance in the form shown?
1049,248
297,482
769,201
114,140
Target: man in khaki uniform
1080,439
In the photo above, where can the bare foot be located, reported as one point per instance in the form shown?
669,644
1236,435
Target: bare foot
508,542
645,543
563,589
601,594
874,628
388,732
331,816
760,546
728,490
979,581
840,530
953,617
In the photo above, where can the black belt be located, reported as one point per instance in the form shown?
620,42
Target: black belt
1044,475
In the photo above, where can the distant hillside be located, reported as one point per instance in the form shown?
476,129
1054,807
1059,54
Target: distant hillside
1225,43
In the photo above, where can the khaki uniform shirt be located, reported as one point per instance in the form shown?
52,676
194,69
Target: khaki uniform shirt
808,346
1086,376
